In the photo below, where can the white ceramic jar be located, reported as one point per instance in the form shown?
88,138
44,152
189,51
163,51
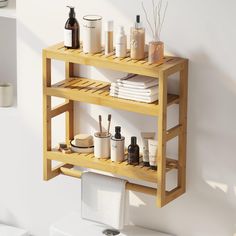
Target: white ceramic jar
92,41
6,95
117,149
102,145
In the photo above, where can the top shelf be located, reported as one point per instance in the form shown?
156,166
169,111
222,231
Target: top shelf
9,11
142,67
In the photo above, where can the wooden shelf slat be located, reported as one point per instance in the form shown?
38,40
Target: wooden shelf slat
97,92
124,169
128,65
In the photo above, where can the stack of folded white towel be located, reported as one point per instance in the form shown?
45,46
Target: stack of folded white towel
136,87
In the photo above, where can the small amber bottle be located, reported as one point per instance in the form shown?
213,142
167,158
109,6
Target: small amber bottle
71,31
133,152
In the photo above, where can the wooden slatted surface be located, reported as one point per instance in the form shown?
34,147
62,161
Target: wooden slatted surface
123,168
128,65
97,92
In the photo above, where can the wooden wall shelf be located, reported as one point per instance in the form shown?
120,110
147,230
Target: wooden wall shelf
97,92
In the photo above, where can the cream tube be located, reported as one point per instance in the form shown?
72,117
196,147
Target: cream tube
152,146
145,136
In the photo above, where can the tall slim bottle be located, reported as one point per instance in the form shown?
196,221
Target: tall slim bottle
71,31
137,40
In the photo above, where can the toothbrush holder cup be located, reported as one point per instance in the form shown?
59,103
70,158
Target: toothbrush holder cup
102,145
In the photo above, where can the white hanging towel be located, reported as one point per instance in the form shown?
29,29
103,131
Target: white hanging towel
103,199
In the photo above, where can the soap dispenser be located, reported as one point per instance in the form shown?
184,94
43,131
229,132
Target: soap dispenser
71,31
117,146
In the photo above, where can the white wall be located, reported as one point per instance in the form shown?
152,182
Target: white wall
202,31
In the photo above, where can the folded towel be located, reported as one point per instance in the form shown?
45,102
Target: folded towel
103,199
142,92
137,81
147,99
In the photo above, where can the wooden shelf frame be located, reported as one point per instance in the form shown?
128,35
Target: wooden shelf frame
83,89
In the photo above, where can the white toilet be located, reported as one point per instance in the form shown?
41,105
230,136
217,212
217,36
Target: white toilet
6,230
73,225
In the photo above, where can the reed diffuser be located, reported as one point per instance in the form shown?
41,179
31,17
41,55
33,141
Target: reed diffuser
156,46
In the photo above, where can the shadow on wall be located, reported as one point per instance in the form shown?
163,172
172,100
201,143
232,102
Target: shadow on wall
211,190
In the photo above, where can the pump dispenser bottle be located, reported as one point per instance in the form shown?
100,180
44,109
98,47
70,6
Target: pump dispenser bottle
137,40
133,152
121,43
117,146
71,31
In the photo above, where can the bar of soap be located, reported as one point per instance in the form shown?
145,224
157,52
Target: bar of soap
83,140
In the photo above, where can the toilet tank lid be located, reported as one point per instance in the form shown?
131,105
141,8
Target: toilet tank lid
13,231
73,225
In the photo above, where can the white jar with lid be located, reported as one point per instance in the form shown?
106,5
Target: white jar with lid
92,25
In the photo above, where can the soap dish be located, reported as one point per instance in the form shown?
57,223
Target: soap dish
77,149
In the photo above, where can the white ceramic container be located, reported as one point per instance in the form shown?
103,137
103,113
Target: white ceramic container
6,95
102,145
92,41
117,149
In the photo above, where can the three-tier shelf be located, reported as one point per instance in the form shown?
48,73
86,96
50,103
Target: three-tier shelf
97,92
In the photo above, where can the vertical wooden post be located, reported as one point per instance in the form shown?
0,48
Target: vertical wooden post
183,87
69,70
161,152
47,125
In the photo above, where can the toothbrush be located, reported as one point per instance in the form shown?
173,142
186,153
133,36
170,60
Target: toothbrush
100,124
109,124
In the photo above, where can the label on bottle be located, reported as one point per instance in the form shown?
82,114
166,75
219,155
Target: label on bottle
67,38
152,160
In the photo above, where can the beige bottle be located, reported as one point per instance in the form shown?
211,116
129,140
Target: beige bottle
137,41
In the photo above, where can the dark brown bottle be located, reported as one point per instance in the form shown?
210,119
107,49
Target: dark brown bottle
71,31
133,152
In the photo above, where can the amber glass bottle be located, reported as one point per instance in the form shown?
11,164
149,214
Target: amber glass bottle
71,31
133,152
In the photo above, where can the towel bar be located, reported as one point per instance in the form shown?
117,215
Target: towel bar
129,186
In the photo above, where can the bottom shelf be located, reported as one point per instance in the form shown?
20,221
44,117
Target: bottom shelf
88,160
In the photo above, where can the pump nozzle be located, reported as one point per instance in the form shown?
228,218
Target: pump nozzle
72,12
138,22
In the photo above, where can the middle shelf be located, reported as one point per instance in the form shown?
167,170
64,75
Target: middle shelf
97,92
88,160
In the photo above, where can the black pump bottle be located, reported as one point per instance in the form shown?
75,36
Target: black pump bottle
71,31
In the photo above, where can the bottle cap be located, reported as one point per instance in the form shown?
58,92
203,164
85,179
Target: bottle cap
72,12
109,26
138,23
121,29
117,129
133,140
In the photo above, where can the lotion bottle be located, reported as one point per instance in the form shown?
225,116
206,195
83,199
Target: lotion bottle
108,37
71,31
133,152
117,146
137,40
121,43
